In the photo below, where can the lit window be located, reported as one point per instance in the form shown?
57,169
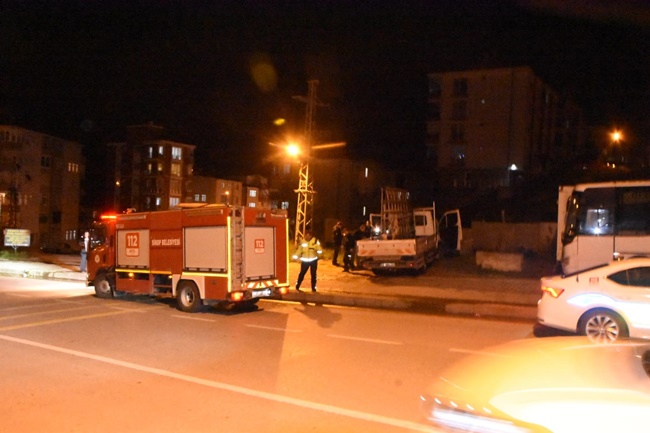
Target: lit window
203,198
173,201
252,193
176,170
252,204
161,150
158,201
196,197
177,153
285,205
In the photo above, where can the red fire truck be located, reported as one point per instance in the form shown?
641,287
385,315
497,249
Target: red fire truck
209,255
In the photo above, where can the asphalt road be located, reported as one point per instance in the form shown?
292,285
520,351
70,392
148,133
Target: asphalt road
73,362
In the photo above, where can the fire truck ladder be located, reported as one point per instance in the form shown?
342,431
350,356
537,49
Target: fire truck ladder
237,266
397,215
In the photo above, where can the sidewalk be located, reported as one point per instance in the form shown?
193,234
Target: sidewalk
450,286
440,290
35,267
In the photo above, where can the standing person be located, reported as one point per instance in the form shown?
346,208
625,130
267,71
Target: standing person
349,244
358,235
84,253
337,235
308,252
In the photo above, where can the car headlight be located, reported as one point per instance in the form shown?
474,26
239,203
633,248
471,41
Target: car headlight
461,416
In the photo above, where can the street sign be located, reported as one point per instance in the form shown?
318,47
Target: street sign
17,238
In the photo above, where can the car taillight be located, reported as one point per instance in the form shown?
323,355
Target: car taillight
552,291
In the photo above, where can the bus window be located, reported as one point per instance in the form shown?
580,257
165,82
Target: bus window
597,222
633,214
596,210
570,227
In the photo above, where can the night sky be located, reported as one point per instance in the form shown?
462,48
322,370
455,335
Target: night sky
216,74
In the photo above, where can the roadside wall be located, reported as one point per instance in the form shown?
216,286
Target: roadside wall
526,238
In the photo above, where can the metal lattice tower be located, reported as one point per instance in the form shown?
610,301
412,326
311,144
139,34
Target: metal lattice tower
305,204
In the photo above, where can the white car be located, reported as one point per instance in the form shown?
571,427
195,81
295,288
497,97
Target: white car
542,385
604,303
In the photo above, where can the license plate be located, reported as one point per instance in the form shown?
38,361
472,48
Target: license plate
261,293
388,265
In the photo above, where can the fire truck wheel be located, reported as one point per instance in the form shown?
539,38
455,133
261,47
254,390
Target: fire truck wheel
103,287
188,297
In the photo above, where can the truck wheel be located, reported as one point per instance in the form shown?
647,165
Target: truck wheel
103,286
188,297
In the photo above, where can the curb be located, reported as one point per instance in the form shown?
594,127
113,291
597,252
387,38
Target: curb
419,305
44,275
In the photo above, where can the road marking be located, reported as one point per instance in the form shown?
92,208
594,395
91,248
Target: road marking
366,340
62,310
22,307
67,301
130,310
335,410
274,328
67,319
198,319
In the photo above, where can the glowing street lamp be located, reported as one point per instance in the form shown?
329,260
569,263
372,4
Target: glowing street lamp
617,136
293,150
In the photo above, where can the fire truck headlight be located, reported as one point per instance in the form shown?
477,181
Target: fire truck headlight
236,296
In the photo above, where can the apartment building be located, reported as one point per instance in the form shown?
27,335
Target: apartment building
489,129
151,173
213,190
40,182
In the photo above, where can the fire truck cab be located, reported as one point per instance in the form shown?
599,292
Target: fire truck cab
212,254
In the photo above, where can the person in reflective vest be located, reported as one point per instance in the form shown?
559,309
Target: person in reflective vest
308,252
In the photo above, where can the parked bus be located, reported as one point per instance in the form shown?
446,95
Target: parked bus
601,222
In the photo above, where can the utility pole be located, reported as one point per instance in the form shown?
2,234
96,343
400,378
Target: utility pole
305,204
13,196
